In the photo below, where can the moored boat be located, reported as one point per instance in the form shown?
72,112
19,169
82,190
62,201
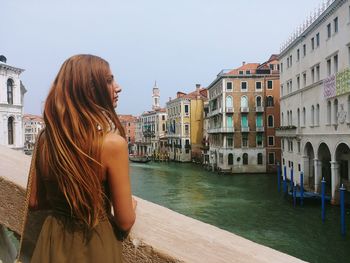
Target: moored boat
139,159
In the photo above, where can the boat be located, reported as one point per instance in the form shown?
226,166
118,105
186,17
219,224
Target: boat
139,159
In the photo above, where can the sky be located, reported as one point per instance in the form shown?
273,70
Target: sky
178,43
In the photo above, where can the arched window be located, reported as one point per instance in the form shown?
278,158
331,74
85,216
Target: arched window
269,102
10,130
298,113
304,116
288,117
10,91
335,106
244,102
282,119
318,114
329,112
291,118
258,101
229,102
245,158
260,158
312,115
230,159
270,121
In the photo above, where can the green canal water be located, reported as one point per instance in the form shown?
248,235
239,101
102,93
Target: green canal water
247,205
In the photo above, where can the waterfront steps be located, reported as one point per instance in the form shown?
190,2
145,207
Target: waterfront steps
159,234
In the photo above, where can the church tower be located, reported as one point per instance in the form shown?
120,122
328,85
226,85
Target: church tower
155,97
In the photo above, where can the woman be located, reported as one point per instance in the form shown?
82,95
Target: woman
81,168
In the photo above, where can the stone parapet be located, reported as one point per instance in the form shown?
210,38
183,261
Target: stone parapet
159,234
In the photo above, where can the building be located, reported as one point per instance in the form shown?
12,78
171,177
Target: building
243,113
33,124
315,99
11,105
129,124
151,130
185,125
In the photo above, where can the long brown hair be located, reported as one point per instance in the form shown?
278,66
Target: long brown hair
78,113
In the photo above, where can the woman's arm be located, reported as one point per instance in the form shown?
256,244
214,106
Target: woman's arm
115,160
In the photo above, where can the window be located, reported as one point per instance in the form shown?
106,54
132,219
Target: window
317,39
186,109
298,113
329,112
163,117
260,158
317,72
313,43
335,22
329,30
304,79
298,54
229,141
229,121
247,72
290,60
271,158
258,101
245,159
269,84
270,121
298,144
281,67
187,129
282,119
318,115
244,102
312,115
229,86
163,126
244,140
258,85
304,50
312,75
271,66
329,67
244,120
282,141
271,140
259,140
269,101
240,72
259,121
335,61
229,102
230,159
304,117
10,130
298,82
10,91
282,93
335,116
244,86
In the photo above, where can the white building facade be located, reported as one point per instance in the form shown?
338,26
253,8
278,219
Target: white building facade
315,99
32,126
11,105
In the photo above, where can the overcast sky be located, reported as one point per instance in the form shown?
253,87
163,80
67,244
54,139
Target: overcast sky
176,43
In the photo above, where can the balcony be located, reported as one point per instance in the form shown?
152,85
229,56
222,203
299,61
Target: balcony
260,128
259,109
244,109
214,130
287,131
244,129
215,112
222,130
229,110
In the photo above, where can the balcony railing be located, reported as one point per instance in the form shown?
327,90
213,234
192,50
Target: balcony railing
215,112
287,131
222,130
244,109
260,128
229,110
259,109
244,129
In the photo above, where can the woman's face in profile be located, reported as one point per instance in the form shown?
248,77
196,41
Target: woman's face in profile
114,88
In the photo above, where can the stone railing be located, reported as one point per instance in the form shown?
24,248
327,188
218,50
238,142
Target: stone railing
159,234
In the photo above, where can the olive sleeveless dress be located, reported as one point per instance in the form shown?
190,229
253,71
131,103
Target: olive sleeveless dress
63,239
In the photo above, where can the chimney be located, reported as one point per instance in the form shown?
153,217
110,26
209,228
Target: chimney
198,86
243,63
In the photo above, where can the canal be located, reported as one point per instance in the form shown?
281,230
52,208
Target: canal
247,205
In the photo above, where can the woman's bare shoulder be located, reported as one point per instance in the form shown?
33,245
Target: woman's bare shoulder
113,143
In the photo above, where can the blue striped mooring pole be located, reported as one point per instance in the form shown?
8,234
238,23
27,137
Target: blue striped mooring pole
285,180
342,209
291,179
301,188
323,190
294,194
279,177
